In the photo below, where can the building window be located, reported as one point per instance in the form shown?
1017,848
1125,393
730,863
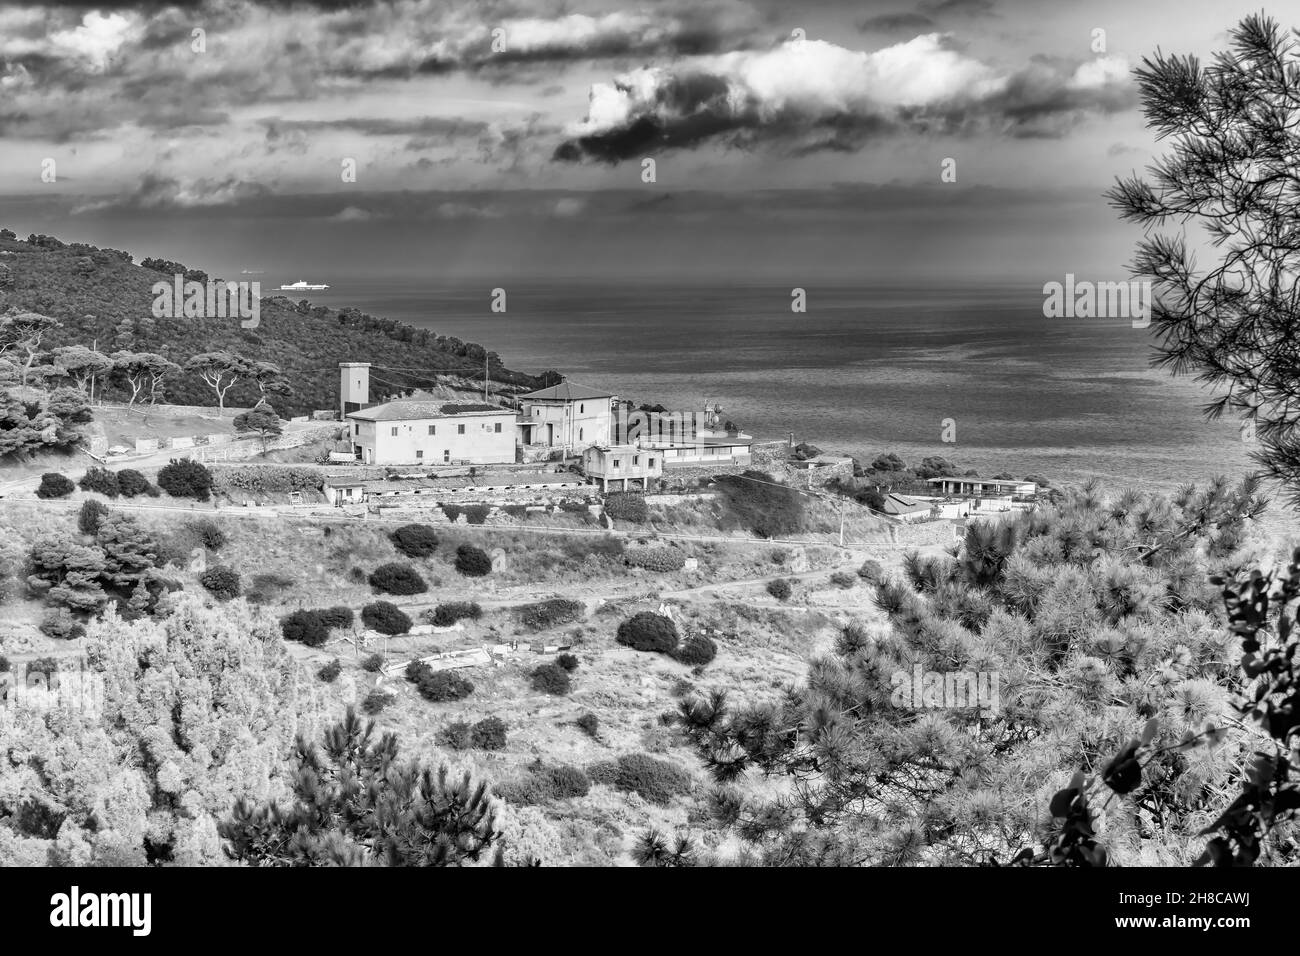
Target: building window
650,463
579,434
433,429
419,454
356,429
616,463
579,409
394,431
460,429
497,428
636,459
446,454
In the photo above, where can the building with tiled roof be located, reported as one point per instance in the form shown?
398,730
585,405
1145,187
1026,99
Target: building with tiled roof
567,416
416,432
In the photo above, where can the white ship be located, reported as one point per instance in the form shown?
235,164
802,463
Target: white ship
301,286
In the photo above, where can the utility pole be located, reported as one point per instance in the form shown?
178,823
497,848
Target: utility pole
95,346
485,376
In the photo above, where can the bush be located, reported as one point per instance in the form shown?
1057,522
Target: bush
208,533
59,624
844,579
472,562
488,734
385,617
221,581
397,578
552,613
455,736
415,540
376,701
647,631
305,627
476,514
445,615
589,724
102,481
657,559
374,663
54,485
92,511
132,483
330,672
626,506
550,679
697,650
757,502
545,783
568,661
873,572
441,686
185,478
4,664
654,780
780,589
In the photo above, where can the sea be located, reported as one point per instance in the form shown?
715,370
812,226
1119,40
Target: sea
866,369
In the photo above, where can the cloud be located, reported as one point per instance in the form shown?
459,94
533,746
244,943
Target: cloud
159,192
352,214
814,96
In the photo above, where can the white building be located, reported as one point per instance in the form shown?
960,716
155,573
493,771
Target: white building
626,463
413,432
566,416
983,488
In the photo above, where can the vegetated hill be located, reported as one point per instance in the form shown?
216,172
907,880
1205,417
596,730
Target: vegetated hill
101,296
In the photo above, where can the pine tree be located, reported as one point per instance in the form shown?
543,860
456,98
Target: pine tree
355,804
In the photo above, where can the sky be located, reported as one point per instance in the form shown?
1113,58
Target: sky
497,138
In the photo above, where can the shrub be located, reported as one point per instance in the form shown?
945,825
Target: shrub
476,514
59,624
757,502
626,506
603,771
208,533
374,663
265,479
92,510
844,579
550,679
472,562
415,540
267,586
305,627
568,661
657,558
385,617
330,672
357,576
132,483
445,615
552,613
647,631
697,650
185,478
455,736
102,481
397,578
488,734
4,664
376,701
589,724
780,589
55,485
440,686
872,571
654,780
545,783
221,581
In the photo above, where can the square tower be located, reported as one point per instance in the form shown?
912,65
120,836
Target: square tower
354,387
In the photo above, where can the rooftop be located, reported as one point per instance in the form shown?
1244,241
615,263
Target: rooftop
410,409
566,392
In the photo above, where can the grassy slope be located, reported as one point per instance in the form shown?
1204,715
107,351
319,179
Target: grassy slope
307,344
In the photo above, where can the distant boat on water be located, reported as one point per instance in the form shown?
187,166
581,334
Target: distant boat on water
301,286
251,272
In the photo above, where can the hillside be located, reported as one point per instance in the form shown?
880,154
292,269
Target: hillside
102,296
